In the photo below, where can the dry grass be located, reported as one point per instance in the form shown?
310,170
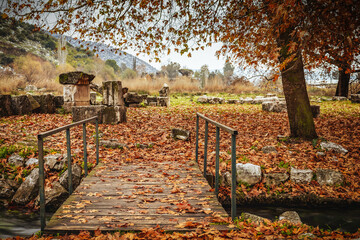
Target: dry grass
9,83
326,92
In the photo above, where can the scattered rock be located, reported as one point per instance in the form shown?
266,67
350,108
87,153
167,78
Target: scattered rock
55,162
28,189
75,177
6,191
329,177
274,106
268,149
233,101
16,159
177,133
301,176
272,179
32,161
333,146
254,218
320,154
31,88
339,98
248,173
112,143
291,216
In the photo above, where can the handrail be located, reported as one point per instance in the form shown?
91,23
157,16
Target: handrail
233,133
41,137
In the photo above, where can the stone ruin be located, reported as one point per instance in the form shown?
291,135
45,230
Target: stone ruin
82,103
133,99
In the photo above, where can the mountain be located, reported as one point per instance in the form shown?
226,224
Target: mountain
106,52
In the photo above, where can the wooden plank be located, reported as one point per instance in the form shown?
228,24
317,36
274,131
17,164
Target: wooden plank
133,197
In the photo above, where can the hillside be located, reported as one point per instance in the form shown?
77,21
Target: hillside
106,52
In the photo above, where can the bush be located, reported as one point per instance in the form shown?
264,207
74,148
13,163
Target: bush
128,74
6,60
50,44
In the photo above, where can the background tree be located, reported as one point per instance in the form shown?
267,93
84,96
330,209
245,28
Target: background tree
271,32
171,70
204,75
228,70
112,63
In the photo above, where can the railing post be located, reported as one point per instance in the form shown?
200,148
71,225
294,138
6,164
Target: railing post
233,176
217,161
97,140
85,151
197,140
41,182
69,162
205,147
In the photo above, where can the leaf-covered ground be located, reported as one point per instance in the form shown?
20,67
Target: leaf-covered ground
339,122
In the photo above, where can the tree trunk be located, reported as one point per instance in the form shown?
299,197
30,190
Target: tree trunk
342,88
297,100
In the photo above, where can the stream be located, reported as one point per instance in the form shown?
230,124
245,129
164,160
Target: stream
15,223
344,219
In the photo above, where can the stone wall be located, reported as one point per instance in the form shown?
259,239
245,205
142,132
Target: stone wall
27,104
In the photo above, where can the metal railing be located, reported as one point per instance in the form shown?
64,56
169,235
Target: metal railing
41,137
233,156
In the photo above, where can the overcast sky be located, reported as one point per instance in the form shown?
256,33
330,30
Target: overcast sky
198,59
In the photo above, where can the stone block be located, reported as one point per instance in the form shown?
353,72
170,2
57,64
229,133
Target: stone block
106,114
92,98
58,101
6,106
177,133
132,97
21,105
69,93
165,91
329,177
74,78
301,176
163,101
355,98
315,110
47,103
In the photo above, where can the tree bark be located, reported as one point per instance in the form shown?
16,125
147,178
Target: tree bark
342,88
297,100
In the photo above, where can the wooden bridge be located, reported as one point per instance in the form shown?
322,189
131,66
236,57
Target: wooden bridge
136,195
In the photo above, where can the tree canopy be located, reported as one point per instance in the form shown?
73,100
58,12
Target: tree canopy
271,32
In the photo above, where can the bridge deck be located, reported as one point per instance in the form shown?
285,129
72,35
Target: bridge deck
175,196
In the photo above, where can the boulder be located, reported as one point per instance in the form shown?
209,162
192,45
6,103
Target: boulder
226,179
55,162
268,149
177,133
16,160
75,177
333,146
32,161
74,78
339,98
6,191
112,143
355,98
28,189
275,178
329,177
58,101
248,173
254,218
47,103
301,176
6,106
291,217
55,196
